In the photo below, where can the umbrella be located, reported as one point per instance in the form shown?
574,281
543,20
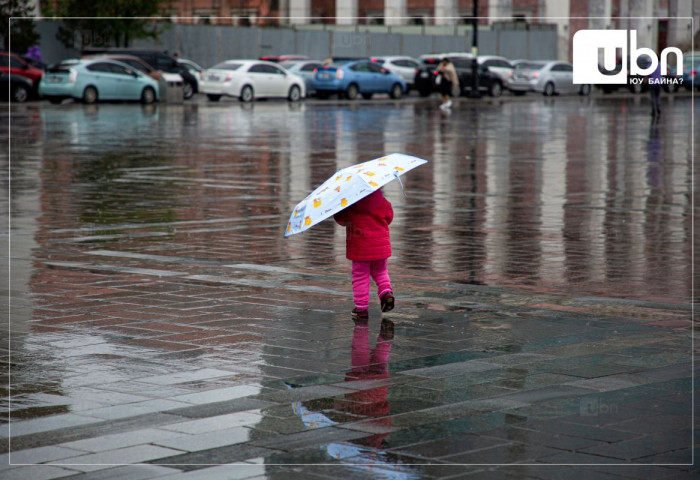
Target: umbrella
346,187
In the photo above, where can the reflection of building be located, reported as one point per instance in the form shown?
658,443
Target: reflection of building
659,23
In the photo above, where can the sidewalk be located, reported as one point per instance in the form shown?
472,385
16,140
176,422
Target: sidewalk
246,373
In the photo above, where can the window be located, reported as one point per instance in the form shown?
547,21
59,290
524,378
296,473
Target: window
406,63
118,69
16,63
227,66
310,67
361,67
374,68
100,67
274,70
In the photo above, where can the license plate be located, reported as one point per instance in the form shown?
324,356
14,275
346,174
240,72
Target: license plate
213,78
424,75
324,75
55,79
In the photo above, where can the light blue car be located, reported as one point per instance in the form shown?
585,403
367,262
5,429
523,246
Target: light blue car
305,69
356,77
97,79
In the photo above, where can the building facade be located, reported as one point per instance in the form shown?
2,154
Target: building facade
659,23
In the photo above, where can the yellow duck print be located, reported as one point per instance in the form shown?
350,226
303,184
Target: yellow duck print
343,202
317,202
307,221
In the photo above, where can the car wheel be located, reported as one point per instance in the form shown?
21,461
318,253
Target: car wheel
367,96
585,90
20,94
55,100
351,92
246,94
294,94
213,98
148,96
187,90
396,91
548,89
496,89
90,95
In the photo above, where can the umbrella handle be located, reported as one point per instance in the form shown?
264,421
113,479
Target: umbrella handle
396,174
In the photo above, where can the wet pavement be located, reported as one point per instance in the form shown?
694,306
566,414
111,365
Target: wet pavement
162,327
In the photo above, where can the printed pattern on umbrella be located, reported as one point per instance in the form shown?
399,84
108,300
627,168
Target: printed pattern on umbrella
346,187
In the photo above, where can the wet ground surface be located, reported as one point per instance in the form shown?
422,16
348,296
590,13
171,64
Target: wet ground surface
161,327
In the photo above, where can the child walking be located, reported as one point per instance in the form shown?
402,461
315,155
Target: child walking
369,247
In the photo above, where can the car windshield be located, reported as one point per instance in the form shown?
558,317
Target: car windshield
227,66
529,66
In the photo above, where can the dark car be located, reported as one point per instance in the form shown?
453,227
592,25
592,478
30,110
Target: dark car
15,88
424,82
158,60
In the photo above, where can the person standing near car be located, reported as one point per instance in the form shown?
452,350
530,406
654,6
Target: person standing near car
448,82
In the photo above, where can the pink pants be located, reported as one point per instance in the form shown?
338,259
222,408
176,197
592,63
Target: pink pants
361,272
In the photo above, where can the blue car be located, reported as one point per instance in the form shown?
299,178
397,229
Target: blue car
356,77
97,79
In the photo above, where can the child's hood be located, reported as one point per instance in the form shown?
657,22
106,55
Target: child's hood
369,203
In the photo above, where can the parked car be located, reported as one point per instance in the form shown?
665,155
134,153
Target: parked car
501,66
158,60
489,82
557,77
305,69
193,68
13,64
251,79
525,75
691,69
15,88
96,79
283,58
405,67
357,77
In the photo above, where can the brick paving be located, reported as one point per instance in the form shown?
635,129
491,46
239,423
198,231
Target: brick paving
162,328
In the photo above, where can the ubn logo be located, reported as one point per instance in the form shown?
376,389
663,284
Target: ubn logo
613,43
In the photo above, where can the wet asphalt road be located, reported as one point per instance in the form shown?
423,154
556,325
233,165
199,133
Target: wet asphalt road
542,265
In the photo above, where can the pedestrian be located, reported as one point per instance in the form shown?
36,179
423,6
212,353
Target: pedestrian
654,81
368,246
448,82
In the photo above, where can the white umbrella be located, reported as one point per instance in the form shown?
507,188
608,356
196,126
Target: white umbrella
346,187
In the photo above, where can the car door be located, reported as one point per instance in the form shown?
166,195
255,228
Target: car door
260,78
278,81
126,82
380,77
103,79
363,77
567,78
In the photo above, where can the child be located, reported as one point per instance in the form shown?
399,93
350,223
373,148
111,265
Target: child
369,247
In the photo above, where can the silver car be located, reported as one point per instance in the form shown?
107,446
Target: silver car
554,78
405,67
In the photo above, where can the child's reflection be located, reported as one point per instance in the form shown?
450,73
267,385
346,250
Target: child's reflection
369,364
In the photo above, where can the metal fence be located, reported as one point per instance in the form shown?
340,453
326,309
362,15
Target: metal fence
210,44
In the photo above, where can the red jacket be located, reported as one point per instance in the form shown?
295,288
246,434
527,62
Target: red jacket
367,228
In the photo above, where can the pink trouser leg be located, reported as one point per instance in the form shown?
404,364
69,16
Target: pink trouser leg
380,275
360,284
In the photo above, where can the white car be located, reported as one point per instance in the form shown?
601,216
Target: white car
194,69
405,67
251,79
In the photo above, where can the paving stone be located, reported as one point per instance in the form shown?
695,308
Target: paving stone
503,454
211,424
531,437
57,422
222,472
128,455
642,447
38,455
129,472
120,440
206,441
218,395
183,377
37,472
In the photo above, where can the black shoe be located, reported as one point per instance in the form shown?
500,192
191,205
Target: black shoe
360,314
387,302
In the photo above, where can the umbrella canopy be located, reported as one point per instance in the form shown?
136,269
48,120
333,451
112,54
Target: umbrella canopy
346,187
